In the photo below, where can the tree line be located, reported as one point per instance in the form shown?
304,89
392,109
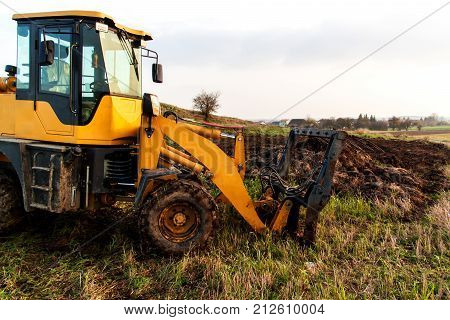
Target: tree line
372,123
207,103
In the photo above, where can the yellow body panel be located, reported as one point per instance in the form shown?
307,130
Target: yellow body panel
49,120
7,114
116,121
65,13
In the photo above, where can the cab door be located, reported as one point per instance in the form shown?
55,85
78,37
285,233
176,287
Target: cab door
56,90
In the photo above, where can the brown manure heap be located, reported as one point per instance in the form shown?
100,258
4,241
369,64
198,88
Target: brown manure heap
407,173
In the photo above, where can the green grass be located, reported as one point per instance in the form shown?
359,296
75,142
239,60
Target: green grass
363,252
425,128
403,135
275,131
267,130
436,128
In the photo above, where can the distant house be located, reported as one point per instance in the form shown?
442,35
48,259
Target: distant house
297,123
281,123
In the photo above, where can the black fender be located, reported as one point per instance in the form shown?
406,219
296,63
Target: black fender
147,177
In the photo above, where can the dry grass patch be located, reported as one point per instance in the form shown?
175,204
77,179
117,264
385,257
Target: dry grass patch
362,252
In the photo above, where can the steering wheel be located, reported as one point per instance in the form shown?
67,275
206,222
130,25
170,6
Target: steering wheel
96,85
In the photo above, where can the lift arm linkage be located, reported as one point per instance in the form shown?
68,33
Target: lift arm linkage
224,171
227,173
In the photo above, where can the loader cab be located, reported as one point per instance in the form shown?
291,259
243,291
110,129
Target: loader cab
72,60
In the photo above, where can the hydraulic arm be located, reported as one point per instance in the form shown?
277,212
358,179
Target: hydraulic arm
227,173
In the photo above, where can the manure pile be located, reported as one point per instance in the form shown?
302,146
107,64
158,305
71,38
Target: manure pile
407,173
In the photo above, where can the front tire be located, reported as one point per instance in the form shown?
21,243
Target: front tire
178,217
11,208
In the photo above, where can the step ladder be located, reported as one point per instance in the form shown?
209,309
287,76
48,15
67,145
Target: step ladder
48,189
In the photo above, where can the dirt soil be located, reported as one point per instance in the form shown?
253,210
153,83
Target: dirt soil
407,173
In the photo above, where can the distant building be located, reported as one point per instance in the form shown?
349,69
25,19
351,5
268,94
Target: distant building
297,123
281,123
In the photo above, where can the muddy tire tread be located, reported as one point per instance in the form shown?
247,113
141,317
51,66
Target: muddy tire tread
11,208
152,240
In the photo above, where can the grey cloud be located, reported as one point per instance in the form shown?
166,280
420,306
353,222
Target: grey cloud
289,47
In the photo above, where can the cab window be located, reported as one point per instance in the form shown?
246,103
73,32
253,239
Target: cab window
23,56
55,78
94,83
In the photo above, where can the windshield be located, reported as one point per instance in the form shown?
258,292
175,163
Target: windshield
109,66
122,68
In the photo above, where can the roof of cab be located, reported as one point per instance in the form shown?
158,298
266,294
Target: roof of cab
80,13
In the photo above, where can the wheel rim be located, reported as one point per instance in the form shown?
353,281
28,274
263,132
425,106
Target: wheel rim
179,222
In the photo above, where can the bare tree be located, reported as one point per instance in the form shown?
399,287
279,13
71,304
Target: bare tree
408,123
206,103
394,123
419,125
311,123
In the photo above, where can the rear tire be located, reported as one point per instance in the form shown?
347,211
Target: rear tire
178,217
11,207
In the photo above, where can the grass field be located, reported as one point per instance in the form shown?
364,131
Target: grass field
364,251
437,128
434,134
440,134
267,130
442,138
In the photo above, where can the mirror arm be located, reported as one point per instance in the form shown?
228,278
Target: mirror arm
45,40
148,56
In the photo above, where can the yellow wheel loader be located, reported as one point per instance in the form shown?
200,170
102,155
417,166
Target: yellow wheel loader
77,133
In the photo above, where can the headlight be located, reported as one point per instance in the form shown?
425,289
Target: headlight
156,106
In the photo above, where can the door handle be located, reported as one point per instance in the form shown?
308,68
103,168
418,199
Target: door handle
73,108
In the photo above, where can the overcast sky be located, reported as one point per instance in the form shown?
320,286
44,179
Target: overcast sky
263,56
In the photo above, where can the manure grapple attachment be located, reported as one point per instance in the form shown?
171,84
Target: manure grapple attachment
283,202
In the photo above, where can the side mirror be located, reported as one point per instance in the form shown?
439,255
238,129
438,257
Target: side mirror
157,73
47,53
